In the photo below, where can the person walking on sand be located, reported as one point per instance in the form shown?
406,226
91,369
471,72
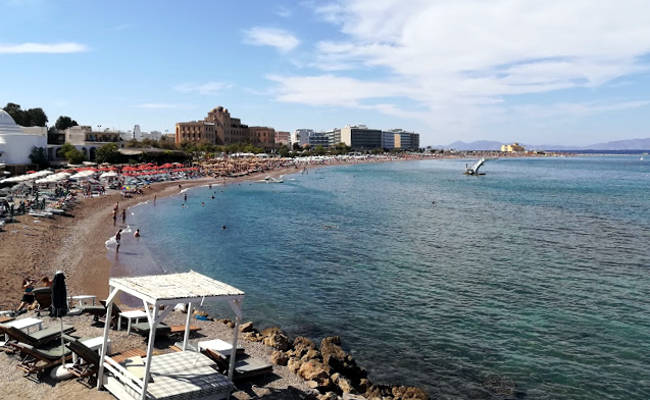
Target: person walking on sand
124,215
118,238
116,206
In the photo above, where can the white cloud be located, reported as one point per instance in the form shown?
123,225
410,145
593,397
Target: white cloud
51,48
208,88
283,12
461,59
282,40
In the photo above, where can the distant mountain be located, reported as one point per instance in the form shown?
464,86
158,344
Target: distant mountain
629,144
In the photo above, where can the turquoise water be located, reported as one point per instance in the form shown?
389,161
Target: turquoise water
536,275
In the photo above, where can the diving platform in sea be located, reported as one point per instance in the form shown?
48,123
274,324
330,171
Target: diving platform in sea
474,169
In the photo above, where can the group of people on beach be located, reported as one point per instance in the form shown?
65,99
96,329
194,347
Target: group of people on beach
28,301
118,234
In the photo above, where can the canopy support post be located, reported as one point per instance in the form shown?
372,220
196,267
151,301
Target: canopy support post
107,327
152,338
187,325
236,307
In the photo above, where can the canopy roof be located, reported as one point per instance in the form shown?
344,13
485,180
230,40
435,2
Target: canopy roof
181,287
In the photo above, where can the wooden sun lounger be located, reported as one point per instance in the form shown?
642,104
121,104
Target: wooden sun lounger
175,329
246,367
38,338
6,318
38,360
91,358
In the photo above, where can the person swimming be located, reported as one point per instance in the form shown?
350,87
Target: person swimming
137,233
223,227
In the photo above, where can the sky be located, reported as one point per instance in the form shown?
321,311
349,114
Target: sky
537,72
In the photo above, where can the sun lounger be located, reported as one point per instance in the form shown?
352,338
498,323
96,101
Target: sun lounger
43,297
246,367
142,328
37,360
90,359
176,329
38,338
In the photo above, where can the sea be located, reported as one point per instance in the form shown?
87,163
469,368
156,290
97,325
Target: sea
530,282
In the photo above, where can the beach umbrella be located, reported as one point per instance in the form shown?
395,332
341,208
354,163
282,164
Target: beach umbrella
59,309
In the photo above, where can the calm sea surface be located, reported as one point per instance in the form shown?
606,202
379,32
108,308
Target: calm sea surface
536,275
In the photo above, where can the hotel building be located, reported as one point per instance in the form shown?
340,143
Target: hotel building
282,138
360,137
195,132
262,136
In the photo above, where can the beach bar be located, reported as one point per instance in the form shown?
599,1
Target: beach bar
186,374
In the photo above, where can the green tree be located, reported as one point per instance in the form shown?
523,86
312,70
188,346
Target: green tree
108,153
283,151
38,156
36,117
31,117
64,122
319,150
71,154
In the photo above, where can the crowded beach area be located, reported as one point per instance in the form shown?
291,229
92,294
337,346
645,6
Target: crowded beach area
55,225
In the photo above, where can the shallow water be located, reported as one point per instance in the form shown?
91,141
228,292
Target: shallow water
535,275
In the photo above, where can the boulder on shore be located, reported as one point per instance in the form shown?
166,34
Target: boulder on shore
246,327
409,393
312,370
294,365
278,340
279,358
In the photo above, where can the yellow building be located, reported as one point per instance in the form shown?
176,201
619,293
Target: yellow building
512,148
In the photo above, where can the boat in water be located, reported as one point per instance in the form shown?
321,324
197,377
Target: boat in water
474,169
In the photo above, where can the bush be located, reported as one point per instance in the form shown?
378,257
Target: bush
38,156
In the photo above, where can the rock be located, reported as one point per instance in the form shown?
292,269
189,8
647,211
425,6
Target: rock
241,395
271,331
279,358
310,355
328,396
363,385
261,391
409,393
312,370
294,365
278,340
333,354
350,396
246,327
302,342
345,385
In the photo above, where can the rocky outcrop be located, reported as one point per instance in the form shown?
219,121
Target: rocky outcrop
246,327
328,369
279,358
312,370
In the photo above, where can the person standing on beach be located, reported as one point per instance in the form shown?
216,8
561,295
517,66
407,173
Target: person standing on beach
114,217
124,215
118,238
185,197
154,200
116,206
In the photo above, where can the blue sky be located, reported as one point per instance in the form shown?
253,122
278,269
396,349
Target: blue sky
547,72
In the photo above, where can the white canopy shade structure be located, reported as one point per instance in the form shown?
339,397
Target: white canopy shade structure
27,177
54,178
109,174
159,295
83,174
